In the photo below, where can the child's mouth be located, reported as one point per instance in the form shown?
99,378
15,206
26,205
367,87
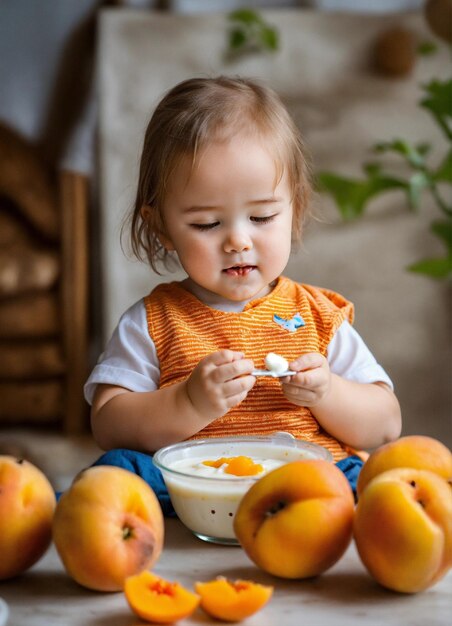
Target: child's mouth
239,270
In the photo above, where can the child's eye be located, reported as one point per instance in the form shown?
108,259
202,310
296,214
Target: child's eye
205,226
263,220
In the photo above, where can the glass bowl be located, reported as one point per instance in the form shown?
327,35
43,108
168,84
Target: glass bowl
207,504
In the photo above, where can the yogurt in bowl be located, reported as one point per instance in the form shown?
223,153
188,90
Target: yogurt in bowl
207,478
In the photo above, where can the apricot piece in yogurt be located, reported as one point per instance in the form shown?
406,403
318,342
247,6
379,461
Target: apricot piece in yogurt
237,465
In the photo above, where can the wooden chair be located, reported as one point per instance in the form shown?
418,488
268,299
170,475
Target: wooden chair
44,285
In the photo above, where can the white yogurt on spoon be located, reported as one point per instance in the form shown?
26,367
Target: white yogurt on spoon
277,366
276,363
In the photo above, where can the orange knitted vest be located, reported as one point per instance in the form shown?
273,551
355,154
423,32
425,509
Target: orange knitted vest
185,330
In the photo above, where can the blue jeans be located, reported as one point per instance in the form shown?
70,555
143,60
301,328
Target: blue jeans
142,464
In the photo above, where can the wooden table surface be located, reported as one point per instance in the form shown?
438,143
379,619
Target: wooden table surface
344,595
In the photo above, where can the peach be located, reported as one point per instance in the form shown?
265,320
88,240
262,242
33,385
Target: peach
416,451
27,505
296,521
108,526
403,529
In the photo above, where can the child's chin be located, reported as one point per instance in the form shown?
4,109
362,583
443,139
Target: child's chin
247,293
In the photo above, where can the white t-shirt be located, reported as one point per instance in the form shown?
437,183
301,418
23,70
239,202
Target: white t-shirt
130,358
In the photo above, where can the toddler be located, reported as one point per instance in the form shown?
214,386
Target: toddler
224,189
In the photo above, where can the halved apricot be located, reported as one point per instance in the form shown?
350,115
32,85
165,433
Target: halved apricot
232,601
157,600
237,465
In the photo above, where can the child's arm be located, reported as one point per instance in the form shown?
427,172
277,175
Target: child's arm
361,415
149,420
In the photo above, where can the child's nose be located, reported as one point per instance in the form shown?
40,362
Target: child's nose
238,240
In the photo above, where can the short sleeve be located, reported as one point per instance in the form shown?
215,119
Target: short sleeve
349,357
130,358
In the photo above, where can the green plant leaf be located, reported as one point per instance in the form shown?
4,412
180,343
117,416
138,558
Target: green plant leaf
443,230
414,157
237,38
423,148
427,48
439,96
435,268
351,195
417,184
250,33
372,169
269,38
444,172
439,102
246,16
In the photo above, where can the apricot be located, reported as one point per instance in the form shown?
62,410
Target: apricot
27,505
403,529
296,521
416,451
156,600
108,526
232,601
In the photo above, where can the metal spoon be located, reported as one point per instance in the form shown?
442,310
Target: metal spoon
270,373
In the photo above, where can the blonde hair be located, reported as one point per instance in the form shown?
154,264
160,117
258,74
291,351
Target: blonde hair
193,114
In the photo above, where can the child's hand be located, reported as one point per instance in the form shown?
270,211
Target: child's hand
312,382
220,381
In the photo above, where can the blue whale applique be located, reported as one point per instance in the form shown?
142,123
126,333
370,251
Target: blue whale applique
292,324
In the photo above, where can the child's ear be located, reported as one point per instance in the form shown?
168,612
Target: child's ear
146,212
166,242
147,216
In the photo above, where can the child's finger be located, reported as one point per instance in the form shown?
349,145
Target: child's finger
224,356
310,360
306,379
238,386
300,395
229,371
237,399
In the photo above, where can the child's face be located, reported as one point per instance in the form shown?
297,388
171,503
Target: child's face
228,220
